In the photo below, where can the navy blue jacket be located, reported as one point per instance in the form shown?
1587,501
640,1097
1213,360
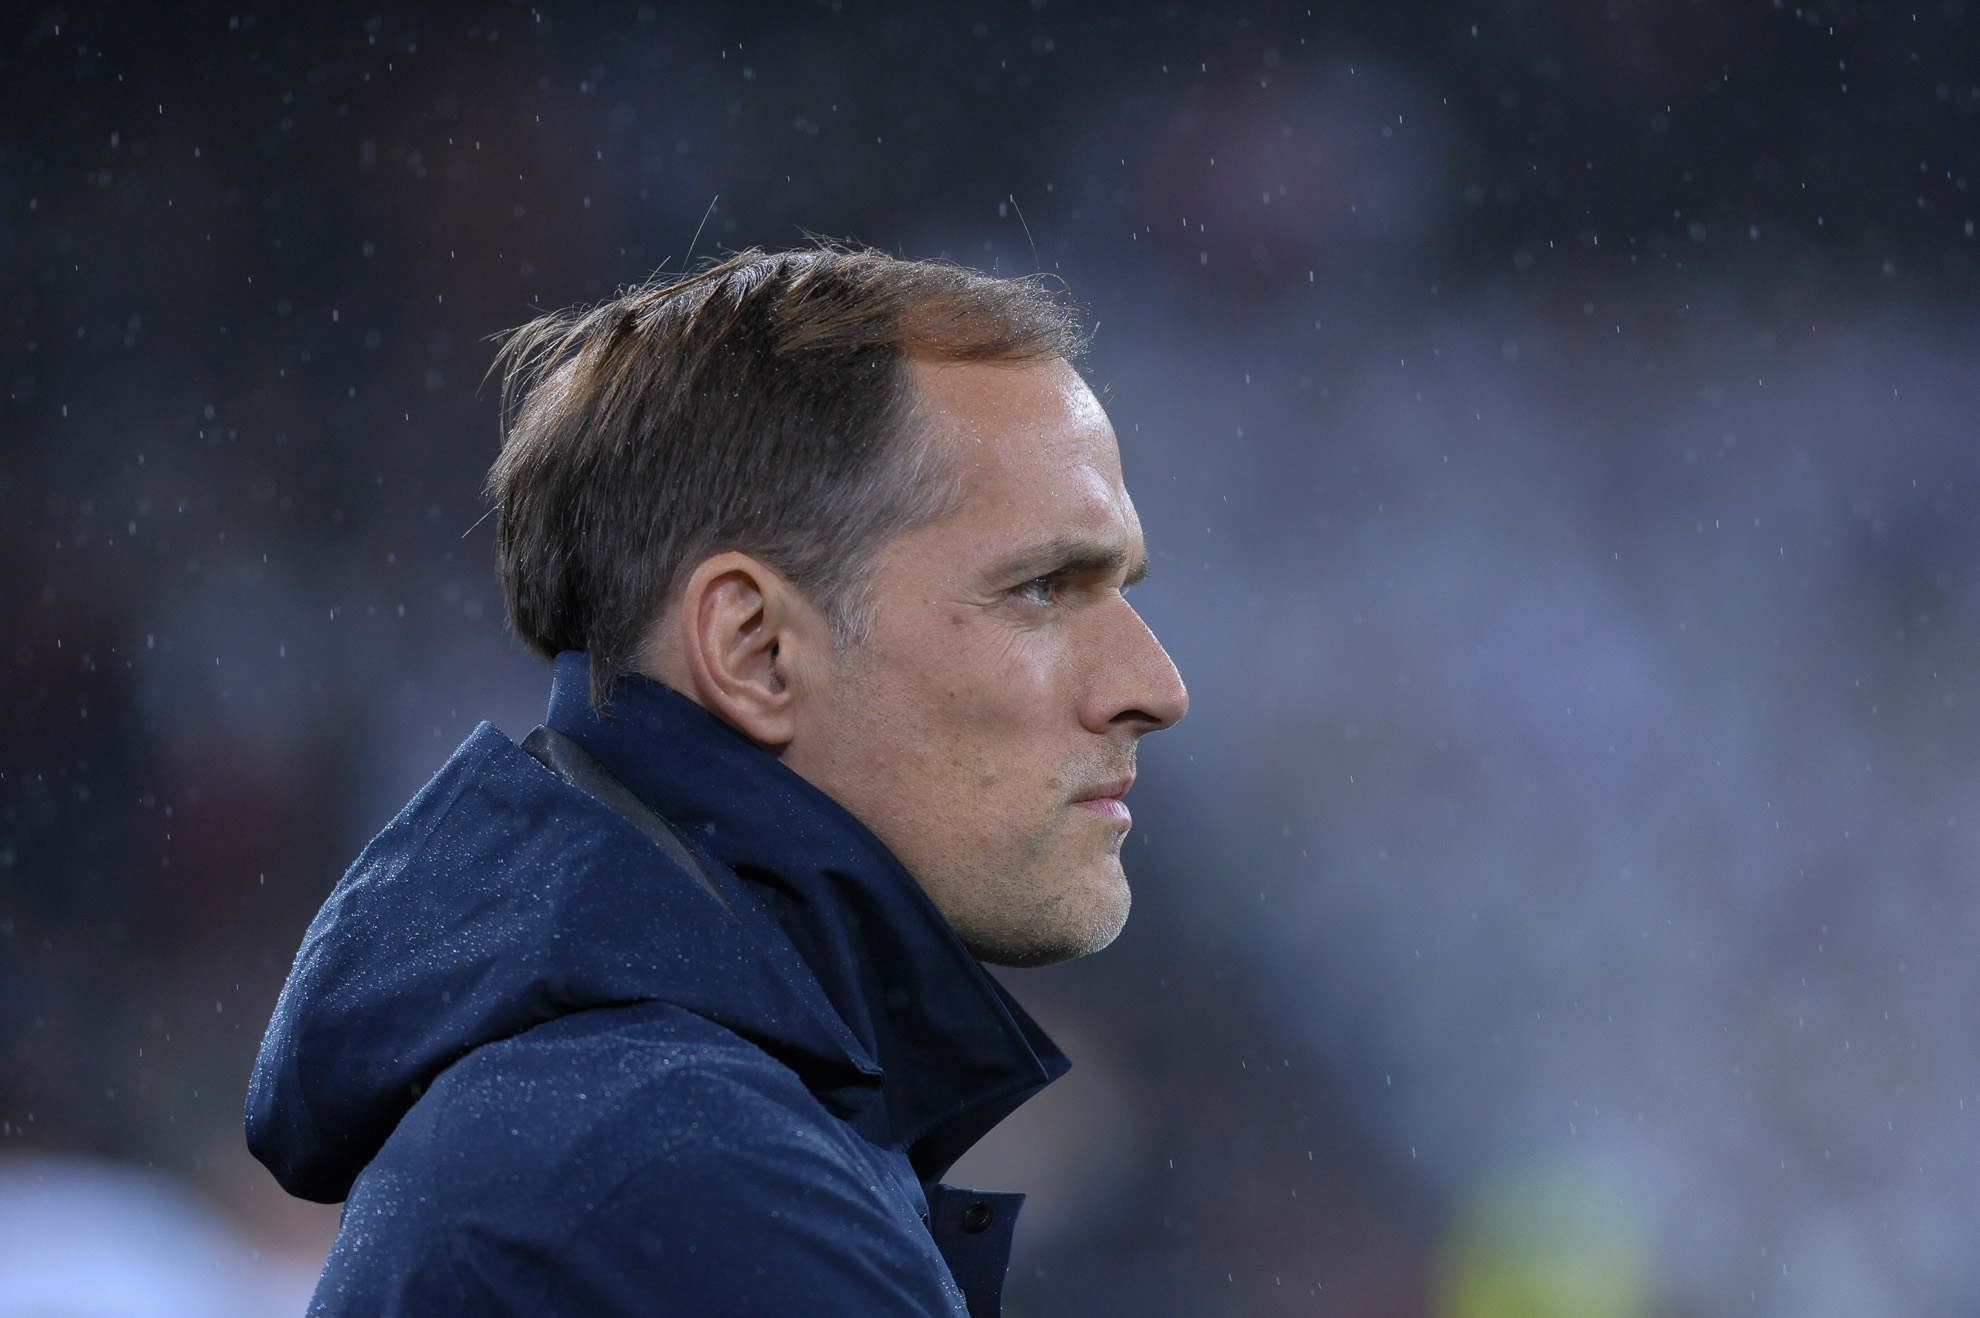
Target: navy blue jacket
551,1072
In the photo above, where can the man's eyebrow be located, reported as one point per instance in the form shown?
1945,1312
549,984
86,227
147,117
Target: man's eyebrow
1075,555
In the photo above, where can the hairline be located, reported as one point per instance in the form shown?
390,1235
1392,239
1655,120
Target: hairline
915,453
566,372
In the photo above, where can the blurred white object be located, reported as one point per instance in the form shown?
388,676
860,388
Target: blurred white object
81,1238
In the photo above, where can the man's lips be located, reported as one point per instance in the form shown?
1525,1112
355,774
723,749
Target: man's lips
1104,799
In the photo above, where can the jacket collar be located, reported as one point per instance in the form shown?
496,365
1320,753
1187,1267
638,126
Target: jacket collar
957,1051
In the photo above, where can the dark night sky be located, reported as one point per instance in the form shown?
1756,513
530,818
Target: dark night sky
252,258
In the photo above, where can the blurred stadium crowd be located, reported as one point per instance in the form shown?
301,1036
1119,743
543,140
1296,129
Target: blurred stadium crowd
1554,427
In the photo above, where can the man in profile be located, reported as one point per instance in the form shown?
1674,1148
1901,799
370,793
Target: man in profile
677,1007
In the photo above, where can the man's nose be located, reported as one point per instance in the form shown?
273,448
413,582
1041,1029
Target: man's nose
1137,685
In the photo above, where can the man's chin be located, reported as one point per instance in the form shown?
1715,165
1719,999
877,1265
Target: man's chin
1080,926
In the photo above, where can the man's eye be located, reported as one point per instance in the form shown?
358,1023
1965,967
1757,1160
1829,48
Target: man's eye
1039,590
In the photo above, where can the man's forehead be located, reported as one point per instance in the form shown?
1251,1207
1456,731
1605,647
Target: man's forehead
980,396
1034,459
1116,550
1026,422
1082,402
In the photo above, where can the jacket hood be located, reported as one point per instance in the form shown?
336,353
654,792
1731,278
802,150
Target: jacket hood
501,898
959,1053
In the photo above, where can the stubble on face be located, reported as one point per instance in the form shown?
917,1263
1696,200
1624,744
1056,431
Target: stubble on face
968,796
1003,677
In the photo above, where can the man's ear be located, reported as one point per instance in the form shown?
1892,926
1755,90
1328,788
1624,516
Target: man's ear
743,633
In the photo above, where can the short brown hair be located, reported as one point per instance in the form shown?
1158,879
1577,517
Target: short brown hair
758,403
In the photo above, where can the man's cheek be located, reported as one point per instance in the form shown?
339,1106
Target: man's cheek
1021,669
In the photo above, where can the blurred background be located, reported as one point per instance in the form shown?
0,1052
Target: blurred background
1554,425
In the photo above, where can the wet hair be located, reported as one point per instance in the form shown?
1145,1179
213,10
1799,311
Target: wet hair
759,403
